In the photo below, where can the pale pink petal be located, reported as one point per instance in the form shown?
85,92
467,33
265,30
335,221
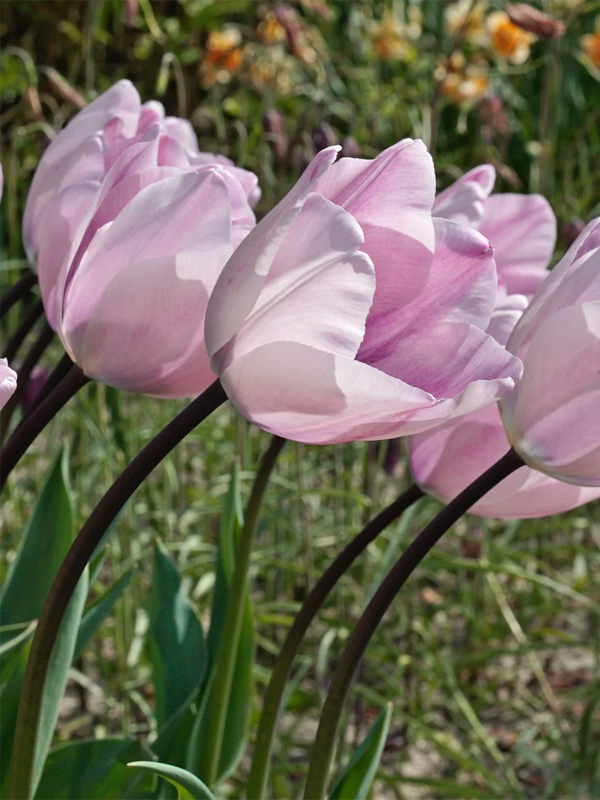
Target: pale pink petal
145,332
311,396
584,252
319,290
522,230
8,382
57,228
391,197
463,202
245,274
455,358
446,459
507,313
552,418
187,213
461,287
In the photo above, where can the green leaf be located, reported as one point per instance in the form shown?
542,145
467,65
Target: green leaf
9,651
356,779
45,541
95,615
188,786
92,769
58,672
177,645
240,698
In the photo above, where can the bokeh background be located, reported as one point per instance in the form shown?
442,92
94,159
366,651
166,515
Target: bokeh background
490,655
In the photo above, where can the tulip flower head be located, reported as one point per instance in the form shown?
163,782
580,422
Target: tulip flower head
8,382
445,460
553,417
132,292
348,312
74,165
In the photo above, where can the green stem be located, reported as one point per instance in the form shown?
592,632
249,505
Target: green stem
318,772
259,773
61,591
221,688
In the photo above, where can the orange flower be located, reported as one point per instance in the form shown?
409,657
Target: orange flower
465,18
590,44
463,83
271,31
507,39
390,41
223,56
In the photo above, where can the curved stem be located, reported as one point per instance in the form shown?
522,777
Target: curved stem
61,591
31,359
318,773
17,291
218,702
18,337
37,420
259,772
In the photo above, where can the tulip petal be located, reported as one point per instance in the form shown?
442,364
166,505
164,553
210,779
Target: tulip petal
522,230
8,382
187,213
120,101
391,197
461,287
552,418
311,396
319,291
446,459
145,333
583,253
463,201
245,274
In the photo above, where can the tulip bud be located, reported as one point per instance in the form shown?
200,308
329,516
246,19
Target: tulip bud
571,230
37,379
63,88
131,12
350,148
274,126
535,21
323,136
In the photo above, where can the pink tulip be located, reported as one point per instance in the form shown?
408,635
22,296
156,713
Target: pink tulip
132,292
521,227
73,166
8,382
349,313
445,460
553,417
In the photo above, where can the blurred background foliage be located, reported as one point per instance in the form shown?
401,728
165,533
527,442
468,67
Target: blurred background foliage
490,657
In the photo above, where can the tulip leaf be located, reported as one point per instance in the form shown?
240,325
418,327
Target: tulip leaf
95,615
188,786
43,546
58,672
45,542
240,697
93,769
177,645
357,778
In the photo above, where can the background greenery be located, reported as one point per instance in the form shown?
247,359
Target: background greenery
490,656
